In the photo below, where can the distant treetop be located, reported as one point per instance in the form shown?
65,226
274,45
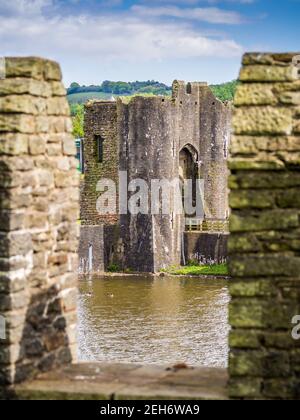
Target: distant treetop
224,91
123,88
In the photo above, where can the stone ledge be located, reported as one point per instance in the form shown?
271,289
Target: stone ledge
98,381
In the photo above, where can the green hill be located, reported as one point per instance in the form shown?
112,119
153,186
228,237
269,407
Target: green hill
82,97
81,94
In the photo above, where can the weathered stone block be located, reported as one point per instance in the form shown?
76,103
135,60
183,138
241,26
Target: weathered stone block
42,124
296,128
295,360
22,104
280,316
245,387
289,199
278,340
58,89
281,389
238,243
17,123
37,145
13,144
252,145
264,265
250,363
251,288
244,339
266,220
278,59
264,73
264,180
247,313
31,67
290,98
69,148
260,164
22,86
54,149
251,199
276,364
52,71
263,121
243,145
255,94
58,106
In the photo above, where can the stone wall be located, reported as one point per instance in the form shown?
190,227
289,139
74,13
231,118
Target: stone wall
265,230
206,247
91,249
38,213
151,241
100,120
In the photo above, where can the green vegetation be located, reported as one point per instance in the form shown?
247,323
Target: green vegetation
199,270
225,91
77,113
121,88
78,95
114,268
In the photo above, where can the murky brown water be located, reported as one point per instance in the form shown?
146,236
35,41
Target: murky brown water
154,321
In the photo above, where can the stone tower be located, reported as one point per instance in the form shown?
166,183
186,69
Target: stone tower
155,138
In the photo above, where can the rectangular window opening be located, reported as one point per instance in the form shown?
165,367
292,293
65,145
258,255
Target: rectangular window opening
100,148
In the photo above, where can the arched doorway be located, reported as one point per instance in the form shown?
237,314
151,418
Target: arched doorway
189,170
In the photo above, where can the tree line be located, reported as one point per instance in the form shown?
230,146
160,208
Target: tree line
122,88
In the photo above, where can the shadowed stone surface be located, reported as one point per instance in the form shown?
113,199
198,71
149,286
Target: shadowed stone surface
93,381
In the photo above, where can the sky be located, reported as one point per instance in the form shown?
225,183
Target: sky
128,40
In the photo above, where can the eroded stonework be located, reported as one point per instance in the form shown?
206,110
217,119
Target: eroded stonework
264,230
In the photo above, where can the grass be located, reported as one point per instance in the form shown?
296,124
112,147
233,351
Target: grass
113,268
199,270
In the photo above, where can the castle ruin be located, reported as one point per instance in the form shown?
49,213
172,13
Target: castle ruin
185,136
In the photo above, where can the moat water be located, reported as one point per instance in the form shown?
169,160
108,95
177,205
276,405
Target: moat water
154,321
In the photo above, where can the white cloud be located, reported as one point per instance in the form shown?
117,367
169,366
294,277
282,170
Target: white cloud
23,7
95,41
109,37
205,14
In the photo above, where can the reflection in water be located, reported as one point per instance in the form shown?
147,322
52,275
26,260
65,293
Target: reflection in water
154,321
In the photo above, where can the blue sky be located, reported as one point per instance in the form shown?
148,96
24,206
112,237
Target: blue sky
193,40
